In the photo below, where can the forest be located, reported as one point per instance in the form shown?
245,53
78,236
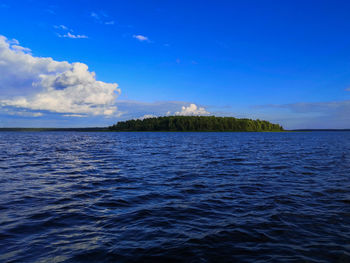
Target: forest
196,123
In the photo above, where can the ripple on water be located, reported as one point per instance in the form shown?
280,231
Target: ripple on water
174,197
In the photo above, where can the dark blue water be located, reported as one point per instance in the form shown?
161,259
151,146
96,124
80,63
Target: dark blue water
174,197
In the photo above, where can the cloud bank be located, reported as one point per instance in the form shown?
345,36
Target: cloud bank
43,84
308,115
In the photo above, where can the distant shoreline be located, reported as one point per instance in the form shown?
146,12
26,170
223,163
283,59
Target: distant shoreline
105,129
313,130
93,129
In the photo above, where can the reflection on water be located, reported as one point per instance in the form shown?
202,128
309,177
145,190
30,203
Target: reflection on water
175,197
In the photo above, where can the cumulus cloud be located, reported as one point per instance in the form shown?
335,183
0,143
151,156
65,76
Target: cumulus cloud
43,84
192,110
129,109
141,38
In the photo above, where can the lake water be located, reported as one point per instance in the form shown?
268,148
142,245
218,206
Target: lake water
174,197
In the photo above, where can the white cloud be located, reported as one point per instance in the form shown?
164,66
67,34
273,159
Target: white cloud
141,38
74,115
13,41
102,18
37,114
19,48
147,116
63,27
192,110
66,32
94,15
136,109
25,113
69,35
43,84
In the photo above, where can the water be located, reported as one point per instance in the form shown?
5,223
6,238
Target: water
174,197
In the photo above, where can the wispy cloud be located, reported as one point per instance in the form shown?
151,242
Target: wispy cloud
95,15
75,115
102,18
50,11
13,41
302,115
66,32
24,113
22,49
141,38
69,35
63,27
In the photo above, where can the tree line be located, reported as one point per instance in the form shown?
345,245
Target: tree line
195,123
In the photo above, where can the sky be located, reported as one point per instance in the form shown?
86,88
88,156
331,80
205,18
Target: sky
94,63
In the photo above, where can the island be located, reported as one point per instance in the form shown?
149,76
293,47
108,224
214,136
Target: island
196,124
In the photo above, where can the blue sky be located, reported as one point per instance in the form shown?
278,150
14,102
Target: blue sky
283,61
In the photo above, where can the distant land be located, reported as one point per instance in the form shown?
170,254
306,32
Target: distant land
310,130
93,129
180,123
196,123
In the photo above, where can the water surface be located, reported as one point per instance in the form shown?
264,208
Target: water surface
174,197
